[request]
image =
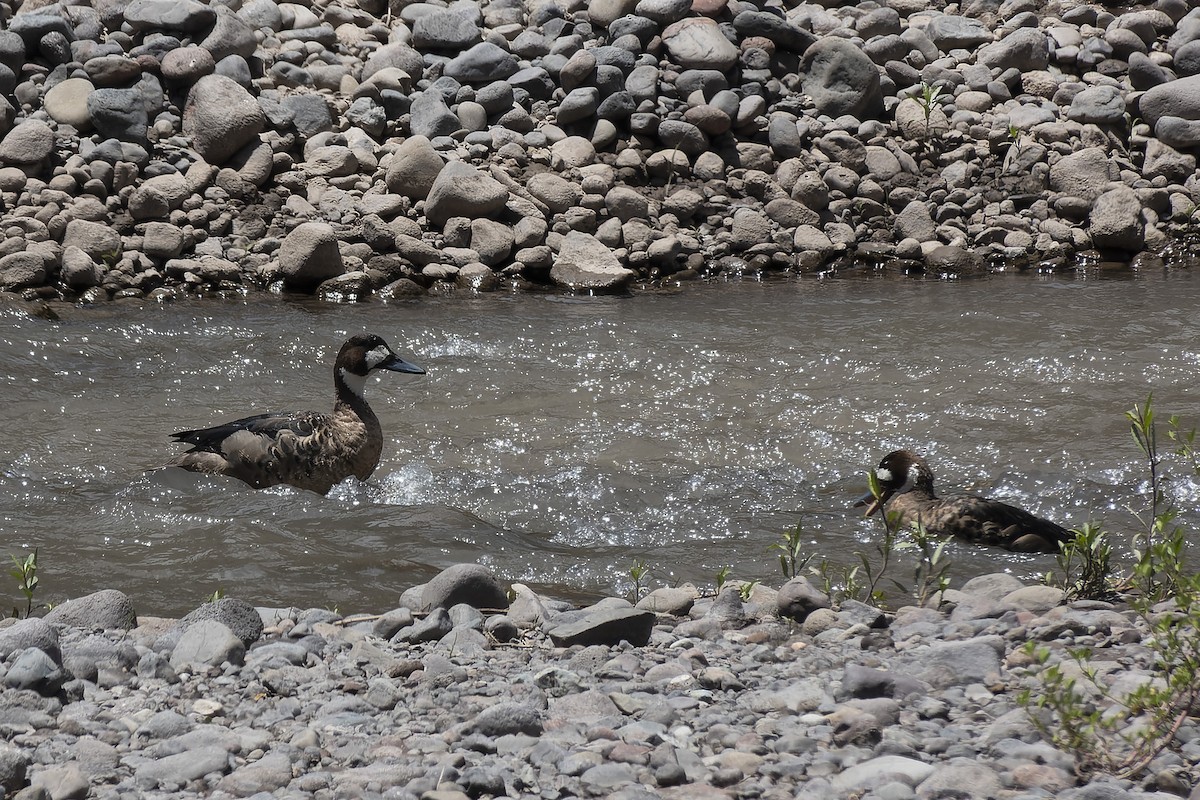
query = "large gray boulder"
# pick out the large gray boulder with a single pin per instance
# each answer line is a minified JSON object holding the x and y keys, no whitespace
{"x":483,"y":63}
{"x":309,"y":255}
{"x":221,"y":118}
{"x":207,"y":642}
{"x":1084,"y":174}
{"x":32,"y":632}
{"x":606,"y":625}
{"x":108,"y":609}
{"x":241,"y":618}
{"x":697,"y":43}
{"x":430,"y":117}
{"x":1025,"y":49}
{"x":585,"y":263}
{"x":473,"y":584}
{"x":461,"y":190}
{"x":29,"y":144}
{"x":185,"y":16}
{"x":1116,"y":220}
{"x":841,"y":79}
{"x":1177,"y":98}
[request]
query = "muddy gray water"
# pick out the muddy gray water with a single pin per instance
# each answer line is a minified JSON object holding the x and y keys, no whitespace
{"x":562,"y":440}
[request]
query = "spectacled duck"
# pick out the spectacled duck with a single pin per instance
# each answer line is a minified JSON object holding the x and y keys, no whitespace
{"x":308,"y":449}
{"x":907,"y":487}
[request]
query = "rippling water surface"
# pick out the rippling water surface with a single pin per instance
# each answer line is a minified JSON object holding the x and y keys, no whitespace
{"x":561,"y":440}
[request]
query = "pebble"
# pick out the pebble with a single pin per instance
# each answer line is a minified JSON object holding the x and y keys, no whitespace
{"x":502,"y":113}
{"x":609,"y":700}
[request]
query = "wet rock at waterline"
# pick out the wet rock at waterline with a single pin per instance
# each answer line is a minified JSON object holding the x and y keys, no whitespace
{"x":723,"y":695}
{"x":757,"y":139}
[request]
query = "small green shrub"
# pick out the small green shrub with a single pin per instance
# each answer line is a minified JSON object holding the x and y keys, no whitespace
{"x":723,"y":576}
{"x":1085,"y":570}
{"x":25,"y":573}
{"x":1123,"y":732}
{"x":791,"y":560}
{"x":638,"y":573}
{"x":1120,"y":733}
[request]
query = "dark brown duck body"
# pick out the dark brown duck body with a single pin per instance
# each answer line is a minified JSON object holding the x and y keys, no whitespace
{"x":309,"y":450}
{"x":907,"y":489}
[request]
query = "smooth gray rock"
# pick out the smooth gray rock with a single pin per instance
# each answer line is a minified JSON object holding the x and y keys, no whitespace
{"x":187,"y":16}
{"x":1102,"y":105}
{"x":309,"y":255}
{"x":182,"y":767}
{"x":33,"y":670}
{"x":774,"y":27}
{"x":447,"y":30}
{"x":431,"y":117}
{"x":1084,"y":174}
{"x":395,"y":55}
{"x":473,"y":584}
{"x":430,"y":628}
{"x":100,"y":242}
{"x":22,"y":270}
{"x":207,"y":642}
{"x":503,"y":719}
{"x":697,"y":43}
{"x":841,"y":79}
{"x":798,"y":598}
{"x":1024,"y":49}
{"x":860,"y":682}
{"x":946,"y":664}
{"x":237,"y":615}
{"x":483,"y":63}
{"x":1178,"y":132}
{"x":310,"y":114}
{"x":85,"y":658}
{"x":461,"y":190}
{"x":270,"y":773}
{"x":13,"y":763}
{"x":29,"y":144}
{"x":953,"y":32}
{"x":31,"y":632}
{"x":221,"y":118}
{"x":230,"y":35}
{"x":583,"y":262}
{"x":108,"y":609}
{"x":1116,"y":220}
{"x":607,"y":626}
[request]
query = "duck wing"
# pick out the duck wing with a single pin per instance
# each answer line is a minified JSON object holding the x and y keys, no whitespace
{"x":268,"y":427}
{"x":987,"y":521}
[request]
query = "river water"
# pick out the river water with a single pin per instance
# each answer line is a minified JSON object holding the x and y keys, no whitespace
{"x":562,"y":440}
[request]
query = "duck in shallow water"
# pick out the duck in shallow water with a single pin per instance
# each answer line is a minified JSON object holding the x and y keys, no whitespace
{"x":306,"y":449}
{"x":907,"y":488}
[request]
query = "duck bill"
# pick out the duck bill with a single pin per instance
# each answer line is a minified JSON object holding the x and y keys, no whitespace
{"x":398,"y":364}
{"x":872,"y":502}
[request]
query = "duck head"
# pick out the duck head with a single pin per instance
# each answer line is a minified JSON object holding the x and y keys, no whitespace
{"x":900,"y":471}
{"x":363,"y":354}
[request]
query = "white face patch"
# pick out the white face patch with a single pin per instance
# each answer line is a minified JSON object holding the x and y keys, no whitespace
{"x":355,"y":383}
{"x":377,"y":356}
{"x":883,"y":474}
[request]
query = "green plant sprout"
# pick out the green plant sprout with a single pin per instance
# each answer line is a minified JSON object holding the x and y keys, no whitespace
{"x":723,"y":576}
{"x":25,"y":573}
{"x":791,"y":563}
{"x":638,"y":572}
{"x":1123,"y":733}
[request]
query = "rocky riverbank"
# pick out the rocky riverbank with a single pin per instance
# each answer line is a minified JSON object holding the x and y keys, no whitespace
{"x":160,"y":147}
{"x":681,"y":696}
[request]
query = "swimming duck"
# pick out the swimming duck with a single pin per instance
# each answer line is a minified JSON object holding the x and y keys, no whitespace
{"x":308,"y":449}
{"x":907,"y":484}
